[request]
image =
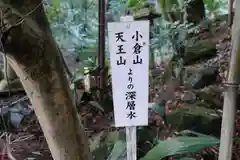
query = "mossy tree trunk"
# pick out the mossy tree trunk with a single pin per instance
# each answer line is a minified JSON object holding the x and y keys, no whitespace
{"x":35,"y":57}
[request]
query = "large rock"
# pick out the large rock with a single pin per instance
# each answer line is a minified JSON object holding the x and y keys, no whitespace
{"x":166,"y":92}
{"x":196,"y":118}
{"x":201,"y":50}
{"x":199,"y":77}
{"x":212,"y":95}
{"x":188,"y":96}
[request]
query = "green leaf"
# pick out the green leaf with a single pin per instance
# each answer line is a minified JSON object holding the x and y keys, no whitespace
{"x":56,"y":3}
{"x":96,"y":105}
{"x":102,"y":143}
{"x":158,"y":108}
{"x":86,"y":70}
{"x":189,"y":132}
{"x":181,"y":4}
{"x":95,"y":141}
{"x":122,"y":1}
{"x":179,"y":145}
{"x":165,"y":5}
{"x":112,"y":138}
{"x":132,"y":3}
{"x":118,"y":151}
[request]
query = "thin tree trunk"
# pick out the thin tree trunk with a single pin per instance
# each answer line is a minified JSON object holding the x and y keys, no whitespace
{"x":230,"y":96}
{"x":230,"y":12}
{"x":35,"y":57}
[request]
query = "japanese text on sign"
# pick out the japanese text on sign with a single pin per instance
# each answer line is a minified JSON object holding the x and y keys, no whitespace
{"x":131,"y":97}
{"x":129,"y":55}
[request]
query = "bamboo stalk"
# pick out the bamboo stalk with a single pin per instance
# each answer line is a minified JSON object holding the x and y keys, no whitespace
{"x":229,"y":107}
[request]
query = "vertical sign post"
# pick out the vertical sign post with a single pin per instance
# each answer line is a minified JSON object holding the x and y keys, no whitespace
{"x":129,"y":55}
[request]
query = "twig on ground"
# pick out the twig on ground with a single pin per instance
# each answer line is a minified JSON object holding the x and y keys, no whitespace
{"x":5,"y":147}
{"x":23,"y":138}
{"x":8,"y":148}
{"x":3,"y":134}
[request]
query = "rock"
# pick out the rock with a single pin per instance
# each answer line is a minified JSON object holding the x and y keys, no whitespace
{"x":201,"y":50}
{"x":199,"y":77}
{"x":212,"y":95}
{"x":196,"y":118}
{"x":194,"y":12}
{"x":164,"y":94}
{"x":158,"y":108}
{"x":156,"y":72}
{"x":188,"y":96}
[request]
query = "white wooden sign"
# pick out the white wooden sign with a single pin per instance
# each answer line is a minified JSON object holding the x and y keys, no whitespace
{"x":129,"y":56}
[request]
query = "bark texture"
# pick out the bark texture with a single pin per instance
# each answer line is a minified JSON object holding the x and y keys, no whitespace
{"x":9,"y":79}
{"x":231,"y":92}
{"x":35,"y":57}
{"x":230,"y":12}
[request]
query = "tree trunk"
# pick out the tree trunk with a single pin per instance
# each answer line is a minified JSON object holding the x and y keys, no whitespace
{"x":231,"y":91}
{"x":8,"y":74}
{"x":194,"y":11}
{"x":230,"y":12}
{"x":35,"y":57}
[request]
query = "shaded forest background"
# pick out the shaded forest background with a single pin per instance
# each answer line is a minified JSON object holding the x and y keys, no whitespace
{"x":190,"y":53}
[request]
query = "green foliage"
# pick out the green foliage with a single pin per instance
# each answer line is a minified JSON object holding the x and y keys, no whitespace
{"x":159,"y":108}
{"x":104,"y":144}
{"x":116,"y":9}
{"x":215,"y":7}
{"x":170,"y":37}
{"x":133,"y":3}
{"x":53,"y":14}
{"x":180,"y":145}
{"x":118,"y":151}
{"x":74,"y":24}
{"x":184,"y":145}
{"x":56,"y":3}
{"x":167,"y":5}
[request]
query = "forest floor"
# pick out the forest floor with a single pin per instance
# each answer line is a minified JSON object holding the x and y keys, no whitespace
{"x":27,"y":140}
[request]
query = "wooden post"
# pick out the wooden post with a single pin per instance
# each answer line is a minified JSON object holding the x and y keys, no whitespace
{"x":101,"y":43}
{"x":230,"y":97}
